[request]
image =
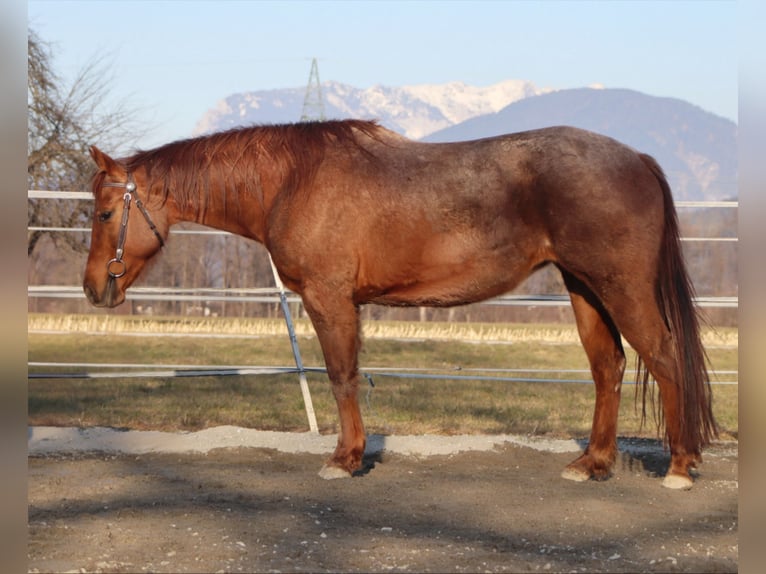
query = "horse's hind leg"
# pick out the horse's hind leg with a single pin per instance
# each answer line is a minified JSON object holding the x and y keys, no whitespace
{"x":652,"y":341}
{"x":637,"y":315}
{"x":603,"y":347}
{"x":337,"y":326}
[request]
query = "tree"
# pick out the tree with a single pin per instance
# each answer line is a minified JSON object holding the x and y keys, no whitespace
{"x":63,"y":122}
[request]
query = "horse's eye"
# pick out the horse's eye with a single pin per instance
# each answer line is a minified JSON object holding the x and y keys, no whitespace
{"x":104,"y":216}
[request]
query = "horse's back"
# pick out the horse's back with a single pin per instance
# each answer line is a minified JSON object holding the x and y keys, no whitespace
{"x":566,"y":181}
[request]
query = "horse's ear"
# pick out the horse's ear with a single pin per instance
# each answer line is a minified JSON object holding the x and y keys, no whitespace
{"x":103,"y":161}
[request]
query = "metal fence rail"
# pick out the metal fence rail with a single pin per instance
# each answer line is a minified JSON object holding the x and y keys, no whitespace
{"x":147,"y":370}
{"x":271,"y":295}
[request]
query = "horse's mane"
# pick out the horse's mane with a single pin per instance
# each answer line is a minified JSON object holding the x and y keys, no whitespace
{"x":187,"y":169}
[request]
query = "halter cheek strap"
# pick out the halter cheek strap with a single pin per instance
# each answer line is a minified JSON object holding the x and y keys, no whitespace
{"x":116,"y":266}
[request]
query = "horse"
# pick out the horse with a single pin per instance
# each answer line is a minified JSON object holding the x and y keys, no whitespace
{"x":353,"y":213}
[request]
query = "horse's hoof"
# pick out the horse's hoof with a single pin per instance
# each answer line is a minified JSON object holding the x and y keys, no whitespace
{"x":329,"y":472}
{"x":575,"y":474}
{"x":677,"y":482}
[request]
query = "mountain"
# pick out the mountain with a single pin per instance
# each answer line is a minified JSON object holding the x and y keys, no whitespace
{"x":414,"y":111}
{"x":697,"y":149}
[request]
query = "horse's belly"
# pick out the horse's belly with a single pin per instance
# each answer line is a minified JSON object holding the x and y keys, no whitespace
{"x":447,"y":286}
{"x":450,"y":269}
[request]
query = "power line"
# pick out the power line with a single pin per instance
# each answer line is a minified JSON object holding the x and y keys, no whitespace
{"x":313,"y":103}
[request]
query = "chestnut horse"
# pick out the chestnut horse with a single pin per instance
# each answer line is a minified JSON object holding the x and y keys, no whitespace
{"x":353,"y":213}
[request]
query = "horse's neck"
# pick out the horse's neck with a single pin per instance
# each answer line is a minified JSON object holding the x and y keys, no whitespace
{"x":227,"y":210}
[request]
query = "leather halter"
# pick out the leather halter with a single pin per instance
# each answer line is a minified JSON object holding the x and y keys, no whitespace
{"x":116,"y":266}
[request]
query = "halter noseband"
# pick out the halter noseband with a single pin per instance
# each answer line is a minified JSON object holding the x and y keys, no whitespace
{"x":116,"y":266}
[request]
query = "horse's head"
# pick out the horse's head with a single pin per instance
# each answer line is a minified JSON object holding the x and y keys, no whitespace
{"x":125,"y":233}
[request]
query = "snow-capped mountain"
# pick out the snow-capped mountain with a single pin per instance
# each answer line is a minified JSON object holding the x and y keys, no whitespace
{"x":415,"y":111}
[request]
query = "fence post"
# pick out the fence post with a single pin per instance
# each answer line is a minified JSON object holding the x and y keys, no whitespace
{"x":296,"y":351}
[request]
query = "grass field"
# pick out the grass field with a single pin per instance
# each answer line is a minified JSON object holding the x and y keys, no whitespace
{"x":393,"y":406}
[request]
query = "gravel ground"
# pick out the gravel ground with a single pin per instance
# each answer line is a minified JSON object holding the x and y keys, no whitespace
{"x":236,"y":500}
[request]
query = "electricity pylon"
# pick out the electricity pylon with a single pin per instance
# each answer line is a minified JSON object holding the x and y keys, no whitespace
{"x":313,"y":104}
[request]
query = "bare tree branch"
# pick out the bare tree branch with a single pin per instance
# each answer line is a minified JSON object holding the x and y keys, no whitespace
{"x":63,"y":123}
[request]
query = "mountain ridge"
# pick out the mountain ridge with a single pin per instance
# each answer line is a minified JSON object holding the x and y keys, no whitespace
{"x":696,"y":148}
{"x":414,"y":111}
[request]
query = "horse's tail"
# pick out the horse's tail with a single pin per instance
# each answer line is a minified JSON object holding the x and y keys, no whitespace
{"x":675,"y":296}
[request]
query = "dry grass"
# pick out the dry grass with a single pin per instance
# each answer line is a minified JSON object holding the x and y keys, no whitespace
{"x":472,"y":332}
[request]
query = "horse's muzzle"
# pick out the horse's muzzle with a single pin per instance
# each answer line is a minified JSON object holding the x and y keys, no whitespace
{"x":92,"y":297}
{"x":110,"y":297}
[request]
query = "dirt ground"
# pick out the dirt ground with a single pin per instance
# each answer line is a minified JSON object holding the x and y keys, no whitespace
{"x":261,"y":510}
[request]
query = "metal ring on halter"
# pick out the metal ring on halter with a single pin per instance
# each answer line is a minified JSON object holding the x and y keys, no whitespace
{"x":112,"y":273}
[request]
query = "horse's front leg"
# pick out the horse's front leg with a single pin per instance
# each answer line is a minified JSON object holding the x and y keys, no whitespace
{"x":337,"y":326}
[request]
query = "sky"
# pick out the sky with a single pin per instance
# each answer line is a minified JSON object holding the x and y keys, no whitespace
{"x":171,"y":61}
